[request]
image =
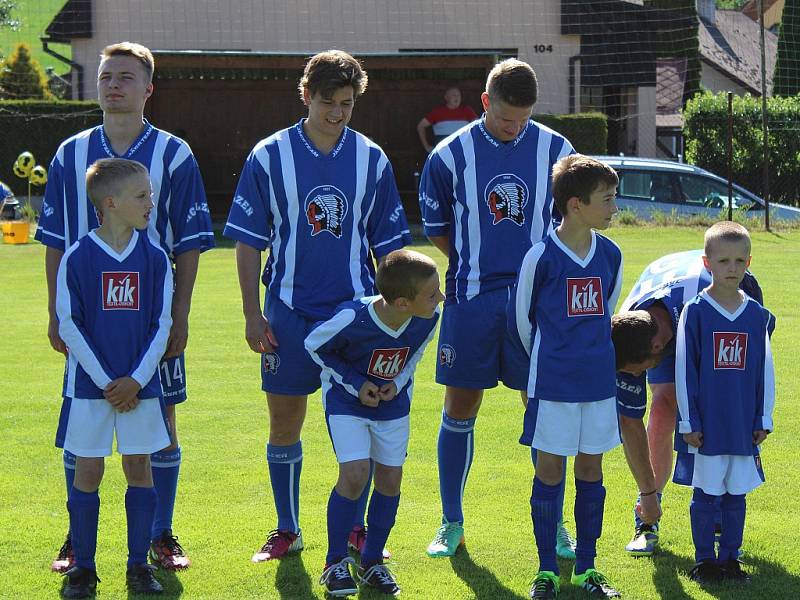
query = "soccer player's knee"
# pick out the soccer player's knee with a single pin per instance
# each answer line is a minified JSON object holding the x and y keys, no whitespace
{"x":88,"y":473}
{"x":353,"y":477}
{"x":388,"y":479}
{"x":589,"y":467}
{"x":137,"y":470}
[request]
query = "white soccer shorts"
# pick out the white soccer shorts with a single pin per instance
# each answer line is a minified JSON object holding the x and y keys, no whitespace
{"x":566,"y":428}
{"x":357,"y":438}
{"x":92,"y":423}
{"x":725,"y":474}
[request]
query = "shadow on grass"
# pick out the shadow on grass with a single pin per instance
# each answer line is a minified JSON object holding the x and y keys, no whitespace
{"x":173,"y":588}
{"x":291,"y":578}
{"x":769,"y":579}
{"x":480,"y":580}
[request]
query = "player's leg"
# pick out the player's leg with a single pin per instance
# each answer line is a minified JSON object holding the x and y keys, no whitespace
{"x":701,"y":514}
{"x":65,"y":558}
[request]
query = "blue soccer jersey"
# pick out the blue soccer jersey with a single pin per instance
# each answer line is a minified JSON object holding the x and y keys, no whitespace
{"x":561,"y":314}
{"x":492,"y":199}
{"x":114,"y":314}
{"x":355,"y":346}
{"x":320,"y":215}
{"x":724,"y":375}
{"x":180,"y":220}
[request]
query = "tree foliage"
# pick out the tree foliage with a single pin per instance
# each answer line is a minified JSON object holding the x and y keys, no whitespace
{"x":21,"y":76}
{"x":680,"y":42}
{"x":787,"y":65}
{"x":7,"y":20}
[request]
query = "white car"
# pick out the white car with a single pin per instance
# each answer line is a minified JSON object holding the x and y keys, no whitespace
{"x":647,"y":185}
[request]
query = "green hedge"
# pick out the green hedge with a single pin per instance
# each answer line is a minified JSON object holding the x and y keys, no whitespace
{"x":706,"y":130}
{"x":588,"y":132}
{"x":39,"y":127}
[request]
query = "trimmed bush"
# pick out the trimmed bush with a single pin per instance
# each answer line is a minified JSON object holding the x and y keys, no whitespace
{"x":588,"y":132}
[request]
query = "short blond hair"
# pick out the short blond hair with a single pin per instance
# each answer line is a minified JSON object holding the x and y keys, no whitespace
{"x":137,"y":51}
{"x":725,"y":231}
{"x":106,"y":177}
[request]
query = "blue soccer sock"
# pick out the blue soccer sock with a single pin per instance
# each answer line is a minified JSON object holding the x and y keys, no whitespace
{"x":166,"y":465}
{"x":455,"y":450}
{"x":382,"y":513}
{"x":140,"y":504}
{"x":84,"y":514}
{"x":285,"y":464}
{"x":701,"y":513}
{"x":69,"y":469}
{"x":341,"y":512}
{"x":358,"y":521}
{"x":733,"y":508}
{"x":561,"y":488}
{"x":544,"y":513}
{"x":590,"y":499}
{"x":637,"y":520}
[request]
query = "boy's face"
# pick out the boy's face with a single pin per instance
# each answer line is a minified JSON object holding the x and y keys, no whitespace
{"x":122,"y":85}
{"x":505,"y":122}
{"x":601,"y":208}
{"x":327,"y":117}
{"x":429,"y":296}
{"x":727,"y":262}
{"x":133,"y":203}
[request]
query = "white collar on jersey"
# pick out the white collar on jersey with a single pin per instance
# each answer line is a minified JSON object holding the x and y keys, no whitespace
{"x":310,"y":147}
{"x":493,"y":141}
{"x":148,"y":129}
{"x":583,"y":262}
{"x":118,"y":256}
{"x":731,"y":316}
{"x":395,"y":333}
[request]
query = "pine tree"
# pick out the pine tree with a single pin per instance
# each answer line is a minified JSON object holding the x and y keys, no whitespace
{"x":787,"y":65}
{"x":22,"y":77}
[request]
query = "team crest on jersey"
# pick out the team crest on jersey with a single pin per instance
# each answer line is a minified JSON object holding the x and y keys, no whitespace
{"x":447,"y":355}
{"x":386,"y":363}
{"x":120,"y":290}
{"x":584,"y":296}
{"x":271,"y":362}
{"x":326,"y":208}
{"x":506,"y":196}
{"x":730,"y":350}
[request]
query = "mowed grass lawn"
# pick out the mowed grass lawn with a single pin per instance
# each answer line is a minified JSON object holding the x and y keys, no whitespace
{"x":225,"y":504}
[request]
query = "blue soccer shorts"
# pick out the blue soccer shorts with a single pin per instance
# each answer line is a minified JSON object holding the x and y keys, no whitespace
{"x":663,"y":372}
{"x":173,"y":379}
{"x":289,"y":370}
{"x":475,"y":351}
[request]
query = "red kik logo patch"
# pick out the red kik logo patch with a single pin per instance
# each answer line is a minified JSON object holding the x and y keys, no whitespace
{"x":120,"y":290}
{"x":386,"y":363}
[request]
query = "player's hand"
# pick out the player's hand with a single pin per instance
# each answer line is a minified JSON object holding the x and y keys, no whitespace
{"x":259,"y":335}
{"x":56,"y":343}
{"x":759,"y":436}
{"x":369,"y":394}
{"x":387,"y":392}
{"x":694,"y":439}
{"x":178,"y":337}
{"x":121,"y":393}
{"x":649,"y":509}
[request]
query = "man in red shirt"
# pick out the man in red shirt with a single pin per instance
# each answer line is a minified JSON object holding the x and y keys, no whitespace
{"x":445,"y":119}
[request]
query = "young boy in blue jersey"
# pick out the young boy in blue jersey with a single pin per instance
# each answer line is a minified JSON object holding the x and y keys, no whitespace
{"x":322,"y":198}
{"x":567,"y":289}
{"x":368,"y":352}
{"x":485,"y":198}
{"x":113,"y":303}
{"x":725,"y":384}
{"x":180,"y":223}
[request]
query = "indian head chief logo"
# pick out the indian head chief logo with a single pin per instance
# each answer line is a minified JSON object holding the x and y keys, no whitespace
{"x":506,"y":196}
{"x":326,"y":208}
{"x":120,"y":290}
{"x":386,"y":363}
{"x":730,"y":350}
{"x":584,"y":297}
{"x":271,"y":362}
{"x":447,"y":355}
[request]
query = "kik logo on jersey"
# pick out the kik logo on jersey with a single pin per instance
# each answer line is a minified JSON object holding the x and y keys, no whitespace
{"x":386,"y":363}
{"x":120,"y":290}
{"x":506,"y":196}
{"x":730,"y":350}
{"x":326,"y":208}
{"x":584,"y":296}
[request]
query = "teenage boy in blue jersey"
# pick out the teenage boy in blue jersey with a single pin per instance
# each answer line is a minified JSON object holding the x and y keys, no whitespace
{"x":180,"y":224}
{"x":567,"y":289}
{"x":322,"y":198}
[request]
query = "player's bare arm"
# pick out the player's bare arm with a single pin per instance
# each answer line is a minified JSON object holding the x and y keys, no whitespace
{"x":694,"y":439}
{"x":759,"y":436}
{"x":52,"y":259}
{"x":369,"y":394}
{"x":442,"y":243}
{"x":257,"y":331}
{"x":186,"y":265}
{"x":637,"y":454}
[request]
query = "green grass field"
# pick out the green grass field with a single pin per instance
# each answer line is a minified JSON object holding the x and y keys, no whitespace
{"x":225,"y":506}
{"x":34,"y":17}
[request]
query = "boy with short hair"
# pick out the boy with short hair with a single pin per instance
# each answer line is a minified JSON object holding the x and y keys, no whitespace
{"x":113,"y":301}
{"x":567,"y":290}
{"x":725,"y":384}
{"x":368,"y":352}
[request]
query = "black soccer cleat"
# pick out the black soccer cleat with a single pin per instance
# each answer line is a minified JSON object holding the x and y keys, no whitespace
{"x":706,"y":572}
{"x":141,"y":580}
{"x":337,"y":579}
{"x":380,"y":578}
{"x":733,"y":571}
{"x":81,"y":583}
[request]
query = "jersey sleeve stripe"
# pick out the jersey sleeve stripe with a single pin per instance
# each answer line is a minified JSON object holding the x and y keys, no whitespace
{"x":246,"y":231}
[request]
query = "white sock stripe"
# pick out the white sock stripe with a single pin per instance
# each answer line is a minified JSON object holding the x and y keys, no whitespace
{"x":466,"y":467}
{"x":291,"y":497}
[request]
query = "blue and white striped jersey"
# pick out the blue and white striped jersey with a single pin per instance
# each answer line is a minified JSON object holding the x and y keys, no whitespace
{"x":724,"y":375}
{"x":492,"y":199}
{"x":561,"y":314}
{"x":114,"y":314}
{"x":180,"y":220}
{"x":355,"y":346}
{"x":320,"y":215}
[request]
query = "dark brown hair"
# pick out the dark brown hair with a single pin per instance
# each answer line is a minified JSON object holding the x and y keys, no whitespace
{"x":513,"y":82}
{"x":328,"y":71}
{"x":577,"y":176}
{"x":401,"y":272}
